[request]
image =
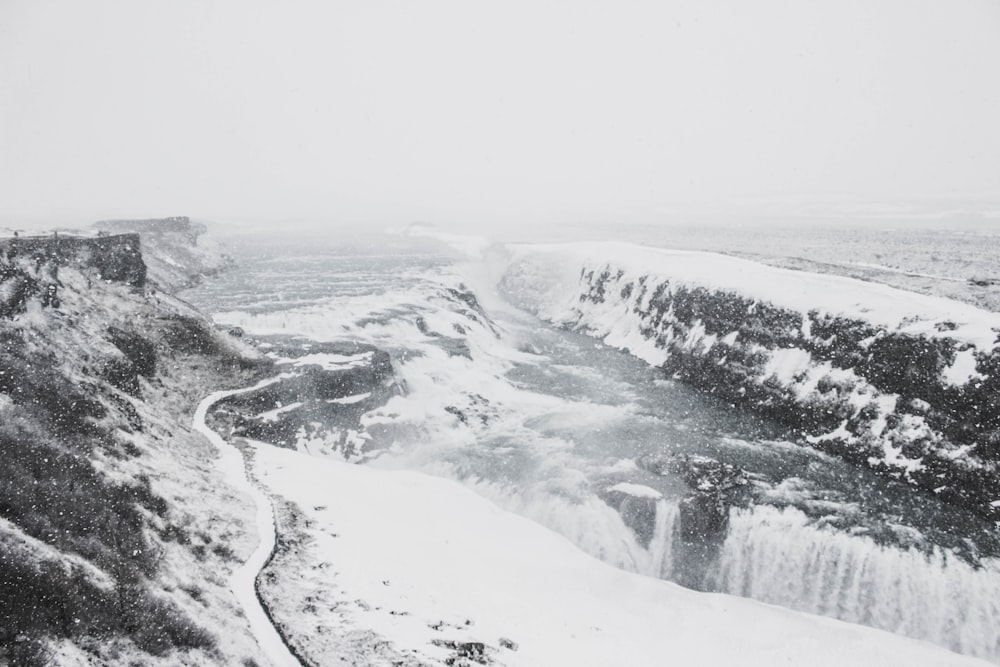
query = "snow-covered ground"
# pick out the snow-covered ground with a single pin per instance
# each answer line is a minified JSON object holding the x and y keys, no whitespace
{"x":426,"y":564}
{"x":243,"y":578}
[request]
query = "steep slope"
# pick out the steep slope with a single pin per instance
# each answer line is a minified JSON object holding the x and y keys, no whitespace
{"x":116,"y":534}
{"x":906,"y":384}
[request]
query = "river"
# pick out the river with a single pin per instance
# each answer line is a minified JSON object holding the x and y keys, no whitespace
{"x":556,"y":426}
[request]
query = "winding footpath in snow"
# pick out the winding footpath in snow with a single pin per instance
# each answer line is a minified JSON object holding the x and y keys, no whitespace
{"x":243,"y":580}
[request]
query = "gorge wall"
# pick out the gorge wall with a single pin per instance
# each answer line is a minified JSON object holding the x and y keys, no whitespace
{"x":905,"y":384}
{"x":115,"y":532}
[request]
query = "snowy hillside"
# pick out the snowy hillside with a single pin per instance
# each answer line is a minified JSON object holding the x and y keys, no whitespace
{"x":116,"y":532}
{"x":906,"y":384}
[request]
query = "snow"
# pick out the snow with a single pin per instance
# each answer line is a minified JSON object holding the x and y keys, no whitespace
{"x":787,"y":363}
{"x":272,"y":415}
{"x":840,"y":433}
{"x":895,"y":309}
{"x":418,"y":558}
{"x":332,"y":362}
{"x":484,"y":569}
{"x":350,"y":400}
{"x":636,"y":490}
{"x":243,"y":581}
{"x":963,"y":369}
{"x":886,"y":406}
{"x":465,"y":244}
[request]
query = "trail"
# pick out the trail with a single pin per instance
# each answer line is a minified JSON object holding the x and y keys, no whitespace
{"x":243,"y":580}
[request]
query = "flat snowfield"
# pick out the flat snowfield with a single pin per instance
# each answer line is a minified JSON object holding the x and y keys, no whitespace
{"x":417,"y":558}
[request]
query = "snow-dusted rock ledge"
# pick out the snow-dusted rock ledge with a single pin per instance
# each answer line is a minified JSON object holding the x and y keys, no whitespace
{"x":906,"y":384}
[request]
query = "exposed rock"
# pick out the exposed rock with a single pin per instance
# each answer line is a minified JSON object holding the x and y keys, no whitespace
{"x":175,"y":249}
{"x":703,"y":518}
{"x":637,"y":506}
{"x":465,"y":652}
{"x":312,"y":406}
{"x":714,"y":488}
{"x":508,"y":644}
{"x":29,"y":266}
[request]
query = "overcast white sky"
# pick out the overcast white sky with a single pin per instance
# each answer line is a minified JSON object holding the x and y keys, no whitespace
{"x":458,"y":110}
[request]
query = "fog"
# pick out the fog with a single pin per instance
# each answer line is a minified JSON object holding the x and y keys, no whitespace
{"x":519,"y":114}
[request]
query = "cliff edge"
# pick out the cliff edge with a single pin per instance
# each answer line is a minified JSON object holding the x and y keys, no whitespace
{"x":116,"y":535}
{"x":176,"y":250}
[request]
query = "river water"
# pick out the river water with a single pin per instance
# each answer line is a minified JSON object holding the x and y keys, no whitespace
{"x":545,"y":421}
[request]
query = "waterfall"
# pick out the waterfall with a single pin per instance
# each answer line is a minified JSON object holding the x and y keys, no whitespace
{"x":775,"y":556}
{"x":661,"y":547}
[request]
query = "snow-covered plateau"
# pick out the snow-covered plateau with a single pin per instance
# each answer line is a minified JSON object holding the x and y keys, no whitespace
{"x":154,"y":462}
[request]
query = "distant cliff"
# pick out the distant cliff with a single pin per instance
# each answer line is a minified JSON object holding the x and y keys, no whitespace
{"x":176,"y":250}
{"x":906,"y":385}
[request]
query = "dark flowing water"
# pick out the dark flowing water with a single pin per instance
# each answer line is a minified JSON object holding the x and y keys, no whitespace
{"x":545,"y":421}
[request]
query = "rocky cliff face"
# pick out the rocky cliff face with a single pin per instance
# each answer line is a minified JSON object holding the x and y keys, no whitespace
{"x":175,"y":250}
{"x":29,"y":266}
{"x":116,"y":536}
{"x":913,"y":394}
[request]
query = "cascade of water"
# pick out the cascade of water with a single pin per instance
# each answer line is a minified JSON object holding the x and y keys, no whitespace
{"x":775,"y":556}
{"x":661,"y":548}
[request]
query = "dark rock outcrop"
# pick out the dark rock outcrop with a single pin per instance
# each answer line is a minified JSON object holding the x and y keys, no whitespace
{"x":312,"y":402}
{"x":638,"y":511}
{"x":714,"y":489}
{"x":115,"y":258}
{"x":465,"y":653}
{"x":177,"y":253}
{"x":29,"y":266}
